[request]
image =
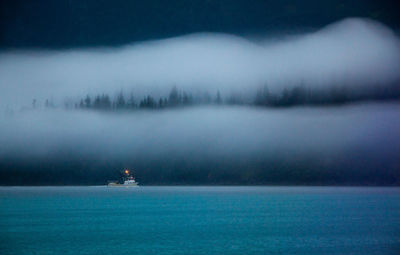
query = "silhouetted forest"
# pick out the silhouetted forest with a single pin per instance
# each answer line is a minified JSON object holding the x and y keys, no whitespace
{"x":70,"y":168}
{"x":288,"y":97}
{"x":175,"y":98}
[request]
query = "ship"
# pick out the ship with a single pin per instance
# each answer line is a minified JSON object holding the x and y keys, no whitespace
{"x":128,"y":180}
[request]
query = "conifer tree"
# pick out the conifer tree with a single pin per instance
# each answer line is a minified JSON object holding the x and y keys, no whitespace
{"x":120,"y":103}
{"x":174,"y":99}
{"x":87,"y":101}
{"x":218,"y":99}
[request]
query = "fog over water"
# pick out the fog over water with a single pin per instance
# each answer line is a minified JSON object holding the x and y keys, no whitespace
{"x":354,"y":144}
{"x":205,"y":131}
{"x":355,"y":53}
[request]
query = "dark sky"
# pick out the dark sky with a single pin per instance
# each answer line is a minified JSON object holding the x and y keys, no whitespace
{"x":85,"y":23}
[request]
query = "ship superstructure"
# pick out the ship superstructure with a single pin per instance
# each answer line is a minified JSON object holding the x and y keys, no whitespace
{"x":128,"y":180}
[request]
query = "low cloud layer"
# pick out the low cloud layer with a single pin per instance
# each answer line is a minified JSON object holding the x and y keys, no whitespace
{"x":350,"y":144}
{"x":202,"y":131}
{"x":356,"y":53}
{"x":258,"y":144}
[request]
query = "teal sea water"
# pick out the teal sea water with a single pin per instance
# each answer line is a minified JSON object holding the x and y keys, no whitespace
{"x":199,"y":220}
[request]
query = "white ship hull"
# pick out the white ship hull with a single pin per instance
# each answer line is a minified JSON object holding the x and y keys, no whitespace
{"x":123,"y":185}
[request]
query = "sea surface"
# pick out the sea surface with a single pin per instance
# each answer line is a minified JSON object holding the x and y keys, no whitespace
{"x":199,"y":220}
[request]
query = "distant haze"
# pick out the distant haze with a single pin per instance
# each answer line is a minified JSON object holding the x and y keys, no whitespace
{"x":350,"y":144}
{"x":355,"y":53}
{"x":356,"y":144}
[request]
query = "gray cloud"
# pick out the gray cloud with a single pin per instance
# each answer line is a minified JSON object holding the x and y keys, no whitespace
{"x":354,"y":52}
{"x":204,"y":131}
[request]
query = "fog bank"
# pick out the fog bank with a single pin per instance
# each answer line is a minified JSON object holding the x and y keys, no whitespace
{"x":203,"y":131}
{"x":356,"y":53}
{"x":357,"y":144}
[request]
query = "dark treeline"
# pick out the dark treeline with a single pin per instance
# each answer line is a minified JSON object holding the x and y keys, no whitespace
{"x":312,"y":170}
{"x":175,"y":98}
{"x":299,"y":95}
{"x":288,"y":97}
